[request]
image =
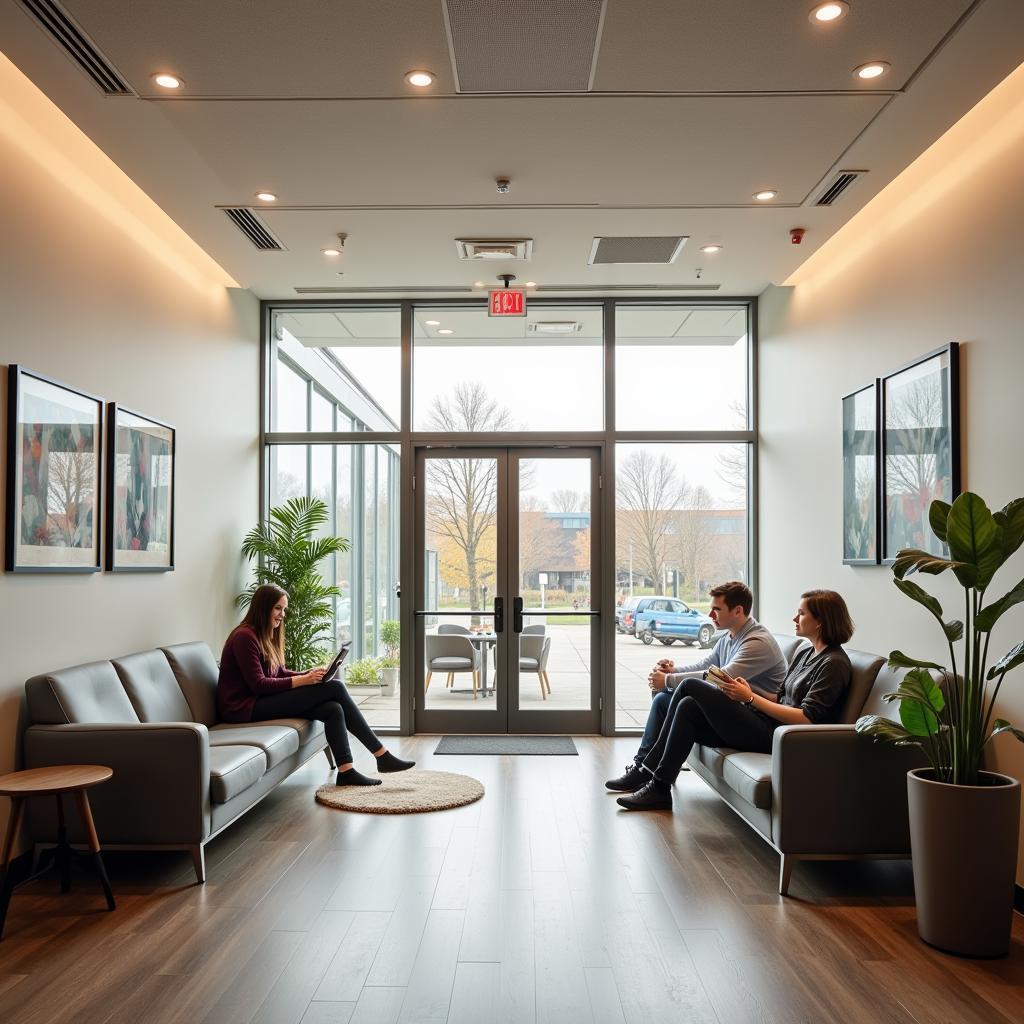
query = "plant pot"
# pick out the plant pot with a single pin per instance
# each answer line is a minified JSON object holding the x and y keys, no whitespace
{"x":388,"y":681}
{"x":964,"y":844}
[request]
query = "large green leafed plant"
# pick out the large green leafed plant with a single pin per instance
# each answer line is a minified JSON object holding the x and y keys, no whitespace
{"x":954,"y":722}
{"x":289,"y":557}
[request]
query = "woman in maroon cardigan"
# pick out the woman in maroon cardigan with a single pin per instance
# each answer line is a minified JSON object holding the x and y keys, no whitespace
{"x":255,"y":686}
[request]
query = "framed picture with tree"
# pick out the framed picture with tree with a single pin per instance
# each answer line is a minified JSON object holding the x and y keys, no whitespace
{"x":54,"y":470}
{"x":140,"y":492}
{"x":860,"y":476}
{"x":920,"y":448}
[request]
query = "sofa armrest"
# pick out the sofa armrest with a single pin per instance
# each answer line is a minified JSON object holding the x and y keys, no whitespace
{"x":160,"y":790}
{"x":835,"y":791}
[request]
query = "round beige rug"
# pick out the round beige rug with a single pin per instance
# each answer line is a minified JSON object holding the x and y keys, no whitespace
{"x":404,"y":793}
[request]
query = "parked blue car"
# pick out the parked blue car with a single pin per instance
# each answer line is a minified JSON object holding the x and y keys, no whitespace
{"x":668,"y":619}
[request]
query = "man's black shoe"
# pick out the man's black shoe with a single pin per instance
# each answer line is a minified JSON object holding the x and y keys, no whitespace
{"x":630,"y":782}
{"x":652,"y":796}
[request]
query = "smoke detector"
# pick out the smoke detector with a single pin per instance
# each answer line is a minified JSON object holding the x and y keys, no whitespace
{"x":494,"y":248}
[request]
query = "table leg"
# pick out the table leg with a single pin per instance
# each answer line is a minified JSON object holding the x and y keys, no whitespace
{"x":484,"y":648}
{"x":94,"y":845}
{"x":17,"y":806}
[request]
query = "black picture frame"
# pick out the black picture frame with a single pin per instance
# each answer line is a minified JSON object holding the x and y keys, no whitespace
{"x":54,"y":475}
{"x":141,"y":456}
{"x":861,"y":476}
{"x":920,"y":448}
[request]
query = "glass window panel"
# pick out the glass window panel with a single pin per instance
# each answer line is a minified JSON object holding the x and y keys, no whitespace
{"x":354,"y":357}
{"x":290,"y":399}
{"x":287,"y":472}
{"x":681,"y":518}
{"x":321,"y":413}
{"x":543,"y":371}
{"x":680,"y":367}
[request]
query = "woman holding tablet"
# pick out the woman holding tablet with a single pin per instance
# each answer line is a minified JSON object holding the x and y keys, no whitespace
{"x":723,"y":711}
{"x":255,"y":686}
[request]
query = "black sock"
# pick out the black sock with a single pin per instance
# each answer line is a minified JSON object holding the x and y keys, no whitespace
{"x":351,"y":777}
{"x":387,"y":762}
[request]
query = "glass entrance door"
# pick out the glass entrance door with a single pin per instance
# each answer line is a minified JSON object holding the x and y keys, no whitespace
{"x":507,"y":637}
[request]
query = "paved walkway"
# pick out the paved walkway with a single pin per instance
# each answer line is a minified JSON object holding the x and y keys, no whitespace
{"x":569,"y":674}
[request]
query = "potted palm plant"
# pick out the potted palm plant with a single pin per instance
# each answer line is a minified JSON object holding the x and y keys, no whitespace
{"x":963,"y":820}
{"x":289,"y":557}
{"x":391,"y":638}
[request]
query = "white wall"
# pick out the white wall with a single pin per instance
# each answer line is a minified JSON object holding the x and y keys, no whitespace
{"x":101,"y":290}
{"x":936,"y":257}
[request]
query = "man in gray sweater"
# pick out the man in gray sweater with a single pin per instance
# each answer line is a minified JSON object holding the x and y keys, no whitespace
{"x":748,"y":649}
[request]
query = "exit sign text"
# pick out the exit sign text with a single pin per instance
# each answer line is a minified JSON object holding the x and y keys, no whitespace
{"x":506,"y":302}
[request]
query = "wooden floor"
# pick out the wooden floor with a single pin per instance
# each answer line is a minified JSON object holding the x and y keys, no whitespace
{"x":541,"y":902}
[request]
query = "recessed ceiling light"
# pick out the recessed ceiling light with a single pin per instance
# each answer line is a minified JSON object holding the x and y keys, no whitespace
{"x":432,"y":323}
{"x":531,"y":284}
{"x":710,"y":248}
{"x":827,"y":13}
{"x":331,"y":252}
{"x":446,"y":330}
{"x":478,"y":284}
{"x":765,"y":194}
{"x":266,"y":197}
{"x":875,"y":69}
{"x":166,"y":81}
{"x":421,"y":79}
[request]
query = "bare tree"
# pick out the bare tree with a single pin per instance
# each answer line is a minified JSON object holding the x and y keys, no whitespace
{"x":732,"y":463}
{"x":649,"y":493}
{"x":462,"y":495}
{"x":567,"y":500}
{"x":69,"y":483}
{"x":695,"y":539}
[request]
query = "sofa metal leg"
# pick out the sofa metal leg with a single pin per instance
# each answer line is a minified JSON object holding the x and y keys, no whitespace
{"x":786,"y":865}
{"x":199,"y":862}
{"x":330,"y":758}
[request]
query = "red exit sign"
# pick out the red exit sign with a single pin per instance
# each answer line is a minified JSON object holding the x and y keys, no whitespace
{"x":506,"y":302}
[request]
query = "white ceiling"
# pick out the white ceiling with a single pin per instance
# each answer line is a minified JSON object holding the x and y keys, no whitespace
{"x":692,"y":107}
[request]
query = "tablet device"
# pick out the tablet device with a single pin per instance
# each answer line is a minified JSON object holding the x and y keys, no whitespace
{"x":335,"y":666}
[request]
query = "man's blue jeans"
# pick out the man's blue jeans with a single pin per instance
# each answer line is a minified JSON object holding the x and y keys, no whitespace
{"x":655,"y":720}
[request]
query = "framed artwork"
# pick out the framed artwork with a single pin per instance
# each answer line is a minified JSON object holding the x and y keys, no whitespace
{"x":54,"y":467}
{"x":860,"y":476}
{"x":920,"y":448}
{"x":140,"y":492}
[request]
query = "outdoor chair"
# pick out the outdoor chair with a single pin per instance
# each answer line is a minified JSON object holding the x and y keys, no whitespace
{"x":533,"y":657}
{"x":537,"y":630}
{"x":452,"y":629}
{"x":451,"y":654}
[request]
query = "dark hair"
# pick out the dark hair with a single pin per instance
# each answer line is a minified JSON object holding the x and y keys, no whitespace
{"x":830,"y":610}
{"x":734,"y":593}
{"x":271,"y":639}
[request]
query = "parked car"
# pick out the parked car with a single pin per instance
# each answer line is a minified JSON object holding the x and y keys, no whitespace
{"x":668,"y":619}
{"x":624,"y":615}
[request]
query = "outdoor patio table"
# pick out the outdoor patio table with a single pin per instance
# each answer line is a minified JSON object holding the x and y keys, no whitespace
{"x":483,"y":642}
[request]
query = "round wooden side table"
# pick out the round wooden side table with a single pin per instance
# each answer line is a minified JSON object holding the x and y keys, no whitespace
{"x":56,"y":780}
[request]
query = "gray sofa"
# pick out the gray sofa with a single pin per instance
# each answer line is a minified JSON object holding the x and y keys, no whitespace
{"x":180,"y":776}
{"x":824,"y":792}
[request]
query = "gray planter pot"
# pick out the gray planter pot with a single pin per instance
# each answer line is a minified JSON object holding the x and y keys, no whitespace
{"x":964,"y":844}
{"x":388,"y":681}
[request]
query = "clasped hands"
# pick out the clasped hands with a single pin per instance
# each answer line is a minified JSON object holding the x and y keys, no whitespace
{"x":734,"y":687}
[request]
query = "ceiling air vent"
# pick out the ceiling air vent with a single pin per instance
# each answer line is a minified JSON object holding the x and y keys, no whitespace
{"x":57,"y":24}
{"x":655,"y":249}
{"x":562,"y":327}
{"x":494,"y":248}
{"x":253,"y":228}
{"x":835,"y":188}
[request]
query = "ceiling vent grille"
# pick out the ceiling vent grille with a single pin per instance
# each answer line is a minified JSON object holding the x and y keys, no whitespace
{"x":839,"y":184}
{"x":57,"y":24}
{"x":253,"y":228}
{"x":562,"y":327}
{"x":516,"y":46}
{"x":494,"y":248}
{"x":653,"y":250}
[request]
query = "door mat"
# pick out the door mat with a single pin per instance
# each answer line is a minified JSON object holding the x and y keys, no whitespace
{"x":507,"y":745}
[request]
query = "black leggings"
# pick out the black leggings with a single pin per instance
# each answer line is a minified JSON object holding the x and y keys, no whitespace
{"x":329,"y":703}
{"x":701,"y":713}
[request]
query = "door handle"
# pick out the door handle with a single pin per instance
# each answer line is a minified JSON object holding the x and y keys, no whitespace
{"x":517,"y":615}
{"x":499,"y":615}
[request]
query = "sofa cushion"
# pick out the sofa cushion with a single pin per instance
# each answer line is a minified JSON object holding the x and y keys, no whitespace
{"x":233,"y":770}
{"x":750,"y":775}
{"x":789,"y":644}
{"x":307,"y":729}
{"x":152,"y":688}
{"x":713,"y":758}
{"x":80,"y":694}
{"x":196,"y":670}
{"x":865,"y":668}
{"x":276,"y":741}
